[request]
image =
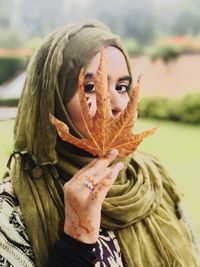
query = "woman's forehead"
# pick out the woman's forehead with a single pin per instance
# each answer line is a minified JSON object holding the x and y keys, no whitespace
{"x":115,"y":62}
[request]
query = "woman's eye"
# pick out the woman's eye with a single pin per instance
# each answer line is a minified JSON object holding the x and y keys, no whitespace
{"x":122,"y":88}
{"x":89,"y":88}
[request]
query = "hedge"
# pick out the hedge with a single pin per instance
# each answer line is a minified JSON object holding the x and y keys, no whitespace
{"x":9,"y":66}
{"x":186,"y":109}
{"x":170,"y":48}
{"x":12,"y":102}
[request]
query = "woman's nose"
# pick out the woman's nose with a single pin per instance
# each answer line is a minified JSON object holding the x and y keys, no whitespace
{"x":116,"y":102}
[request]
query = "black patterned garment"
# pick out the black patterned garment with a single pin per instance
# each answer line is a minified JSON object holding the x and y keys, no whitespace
{"x":108,"y":250}
{"x":15,"y":248}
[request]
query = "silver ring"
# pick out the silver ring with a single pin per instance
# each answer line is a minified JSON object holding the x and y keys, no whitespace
{"x":88,"y":184}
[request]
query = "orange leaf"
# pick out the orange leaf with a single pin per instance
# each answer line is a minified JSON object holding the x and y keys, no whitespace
{"x":104,"y":131}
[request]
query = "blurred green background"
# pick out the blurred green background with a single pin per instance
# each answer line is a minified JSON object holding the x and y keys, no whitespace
{"x":163,"y":38}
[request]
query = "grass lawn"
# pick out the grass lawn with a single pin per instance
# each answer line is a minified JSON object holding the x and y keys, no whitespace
{"x":176,"y":145}
{"x":6,"y":137}
{"x":178,"y":148}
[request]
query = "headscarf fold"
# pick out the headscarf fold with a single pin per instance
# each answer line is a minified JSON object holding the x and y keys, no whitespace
{"x":141,"y":205}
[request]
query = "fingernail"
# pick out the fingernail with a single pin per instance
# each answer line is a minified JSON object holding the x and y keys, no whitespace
{"x":120,"y":165}
{"x":113,"y":151}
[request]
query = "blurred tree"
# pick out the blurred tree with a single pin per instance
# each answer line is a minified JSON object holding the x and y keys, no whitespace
{"x":187,"y":20}
{"x":11,"y":38}
{"x":132,"y":46}
{"x":10,"y":35}
{"x":4,"y":19}
{"x":143,"y":20}
{"x":128,"y":18}
{"x":139,"y":22}
{"x":44,"y":16}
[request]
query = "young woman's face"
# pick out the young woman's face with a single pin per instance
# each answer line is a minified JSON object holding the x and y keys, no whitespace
{"x":118,"y":79}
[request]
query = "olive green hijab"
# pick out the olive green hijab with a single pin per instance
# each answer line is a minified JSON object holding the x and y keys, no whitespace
{"x":142,"y":204}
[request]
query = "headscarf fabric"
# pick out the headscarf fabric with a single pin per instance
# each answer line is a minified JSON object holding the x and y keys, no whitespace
{"x":140,"y":207}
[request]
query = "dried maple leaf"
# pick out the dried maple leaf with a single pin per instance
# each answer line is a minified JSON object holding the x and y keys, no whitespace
{"x":104,"y":131}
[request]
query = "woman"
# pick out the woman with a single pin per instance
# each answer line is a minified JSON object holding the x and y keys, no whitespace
{"x":64,"y":208}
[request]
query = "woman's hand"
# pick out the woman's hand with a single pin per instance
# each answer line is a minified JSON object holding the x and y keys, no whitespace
{"x":84,"y":194}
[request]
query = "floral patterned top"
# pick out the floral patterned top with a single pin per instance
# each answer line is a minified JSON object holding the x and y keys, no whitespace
{"x":15,"y":247}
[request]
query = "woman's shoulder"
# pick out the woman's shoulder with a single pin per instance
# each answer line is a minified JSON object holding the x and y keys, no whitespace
{"x":14,"y":242}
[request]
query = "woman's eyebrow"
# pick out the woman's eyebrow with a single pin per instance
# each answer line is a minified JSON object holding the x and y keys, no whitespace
{"x":124,"y":78}
{"x":89,"y":75}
